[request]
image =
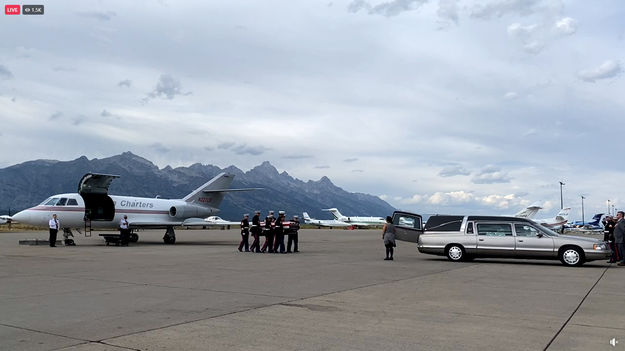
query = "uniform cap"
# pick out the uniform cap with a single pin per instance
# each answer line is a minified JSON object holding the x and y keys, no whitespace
{"x":270,"y":212}
{"x":257,"y":211}
{"x":246,"y":215}
{"x":281,"y":212}
{"x":296,"y":216}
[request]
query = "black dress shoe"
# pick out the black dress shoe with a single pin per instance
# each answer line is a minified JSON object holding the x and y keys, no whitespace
{"x":386,"y":259}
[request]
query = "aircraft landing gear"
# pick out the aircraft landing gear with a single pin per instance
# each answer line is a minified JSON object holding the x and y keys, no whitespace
{"x":170,"y":236}
{"x":133,"y":238}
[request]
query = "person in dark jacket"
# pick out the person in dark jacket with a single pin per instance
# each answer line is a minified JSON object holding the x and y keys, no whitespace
{"x":619,"y":237}
{"x":279,"y":233}
{"x":388,"y":235}
{"x":608,"y":235}
{"x":293,"y":235}
{"x":245,"y":233}
{"x":256,"y":230}
{"x":268,"y":231}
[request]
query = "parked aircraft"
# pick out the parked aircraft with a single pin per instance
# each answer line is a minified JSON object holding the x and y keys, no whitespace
{"x":529,"y":212}
{"x":5,"y":219}
{"x":324,"y":222}
{"x":556,"y":222}
{"x":356,"y":221}
{"x":593,"y":224}
{"x":93,"y":206}
{"x":218,"y":221}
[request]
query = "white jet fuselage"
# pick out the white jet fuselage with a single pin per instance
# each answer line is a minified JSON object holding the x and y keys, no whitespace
{"x":140,"y":210}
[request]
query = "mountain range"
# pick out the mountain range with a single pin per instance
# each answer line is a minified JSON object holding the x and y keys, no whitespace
{"x":27,"y":184}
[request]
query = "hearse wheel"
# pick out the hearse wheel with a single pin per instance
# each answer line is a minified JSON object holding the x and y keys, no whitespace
{"x":455,"y":253}
{"x":133,"y":238}
{"x":571,"y":256}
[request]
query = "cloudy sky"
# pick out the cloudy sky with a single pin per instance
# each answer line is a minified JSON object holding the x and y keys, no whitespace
{"x":445,"y":106}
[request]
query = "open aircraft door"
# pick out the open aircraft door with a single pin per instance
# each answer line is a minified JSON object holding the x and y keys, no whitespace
{"x":408,"y":226}
{"x":93,"y":188}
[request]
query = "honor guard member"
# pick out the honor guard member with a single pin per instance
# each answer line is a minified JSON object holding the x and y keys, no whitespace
{"x":256,"y":229}
{"x":124,"y":231}
{"x":245,"y":233}
{"x":279,"y":233}
{"x":293,"y":233}
{"x":268,"y":230}
{"x":54,"y":228}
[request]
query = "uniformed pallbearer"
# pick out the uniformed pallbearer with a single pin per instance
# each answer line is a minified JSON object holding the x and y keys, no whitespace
{"x":293,"y":235}
{"x":256,"y":229}
{"x":268,"y":231}
{"x":245,"y":233}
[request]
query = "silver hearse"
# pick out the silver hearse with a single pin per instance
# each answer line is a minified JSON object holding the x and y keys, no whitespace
{"x":462,"y":238}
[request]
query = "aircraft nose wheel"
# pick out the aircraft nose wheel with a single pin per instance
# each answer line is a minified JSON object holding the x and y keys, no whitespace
{"x":133,"y":238}
{"x":169,"y":239}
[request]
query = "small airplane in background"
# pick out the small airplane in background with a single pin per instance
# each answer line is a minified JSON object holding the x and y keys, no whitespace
{"x":219,"y":222}
{"x":556,"y":222}
{"x":93,"y":206}
{"x":324,"y":222}
{"x":356,"y":221}
{"x":592,"y":225}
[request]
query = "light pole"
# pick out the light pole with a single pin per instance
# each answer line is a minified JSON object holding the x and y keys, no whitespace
{"x":583,"y":222}
{"x":613,"y":212}
{"x":561,"y":201}
{"x":608,"y":207}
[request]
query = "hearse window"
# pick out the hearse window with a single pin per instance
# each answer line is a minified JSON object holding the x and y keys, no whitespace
{"x":52,"y":201}
{"x":525,"y":230}
{"x":407,"y":221}
{"x":62,"y":201}
{"x":494,"y":229}
{"x":470,"y":228}
{"x":72,"y":202}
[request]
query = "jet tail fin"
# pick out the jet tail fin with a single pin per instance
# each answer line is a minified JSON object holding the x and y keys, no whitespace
{"x":306,"y":216}
{"x":563,"y":214}
{"x":335,"y":212}
{"x":528,"y":212}
{"x":212,"y":192}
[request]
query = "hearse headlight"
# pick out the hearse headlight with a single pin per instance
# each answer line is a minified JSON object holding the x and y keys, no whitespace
{"x":599,"y":247}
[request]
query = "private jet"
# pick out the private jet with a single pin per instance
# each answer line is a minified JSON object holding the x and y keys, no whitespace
{"x":356,"y":221}
{"x":93,"y":206}
{"x":324,"y":222}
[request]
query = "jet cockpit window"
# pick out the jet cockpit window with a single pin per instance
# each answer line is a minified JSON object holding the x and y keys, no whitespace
{"x":72,"y":202}
{"x":52,"y":201}
{"x":62,"y":202}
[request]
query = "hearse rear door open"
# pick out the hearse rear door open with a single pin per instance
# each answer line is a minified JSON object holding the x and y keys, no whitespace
{"x":408,"y":226}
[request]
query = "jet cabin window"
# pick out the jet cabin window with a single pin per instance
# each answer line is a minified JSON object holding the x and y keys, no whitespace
{"x":62,"y":202}
{"x":72,"y":202}
{"x":52,"y":201}
{"x":494,"y":229}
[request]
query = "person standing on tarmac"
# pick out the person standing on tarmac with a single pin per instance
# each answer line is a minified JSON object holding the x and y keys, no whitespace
{"x":54,"y":225}
{"x":256,"y":229}
{"x":608,"y":236}
{"x":245,"y":233}
{"x":268,"y":230}
{"x":293,"y":235}
{"x":619,"y":237}
{"x":388,"y":235}
{"x":124,"y":232}
{"x":279,"y":233}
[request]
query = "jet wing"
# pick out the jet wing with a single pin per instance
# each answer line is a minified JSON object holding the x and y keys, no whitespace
{"x":95,"y":183}
{"x":5,"y":219}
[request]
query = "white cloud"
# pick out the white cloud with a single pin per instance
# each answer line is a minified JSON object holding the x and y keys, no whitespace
{"x":500,"y":8}
{"x":491,"y":175}
{"x":566,"y":26}
{"x":608,"y":69}
{"x":511,"y":95}
{"x":448,"y":10}
{"x":451,"y":171}
{"x":518,"y":30}
{"x":533,"y":47}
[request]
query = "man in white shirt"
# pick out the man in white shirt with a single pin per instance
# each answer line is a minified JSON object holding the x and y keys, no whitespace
{"x":124,"y":233}
{"x":54,"y":225}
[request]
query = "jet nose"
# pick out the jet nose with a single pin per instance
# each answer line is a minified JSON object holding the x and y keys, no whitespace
{"x":22,"y":217}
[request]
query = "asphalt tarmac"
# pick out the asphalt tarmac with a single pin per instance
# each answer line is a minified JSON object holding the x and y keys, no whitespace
{"x":336,"y":294}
